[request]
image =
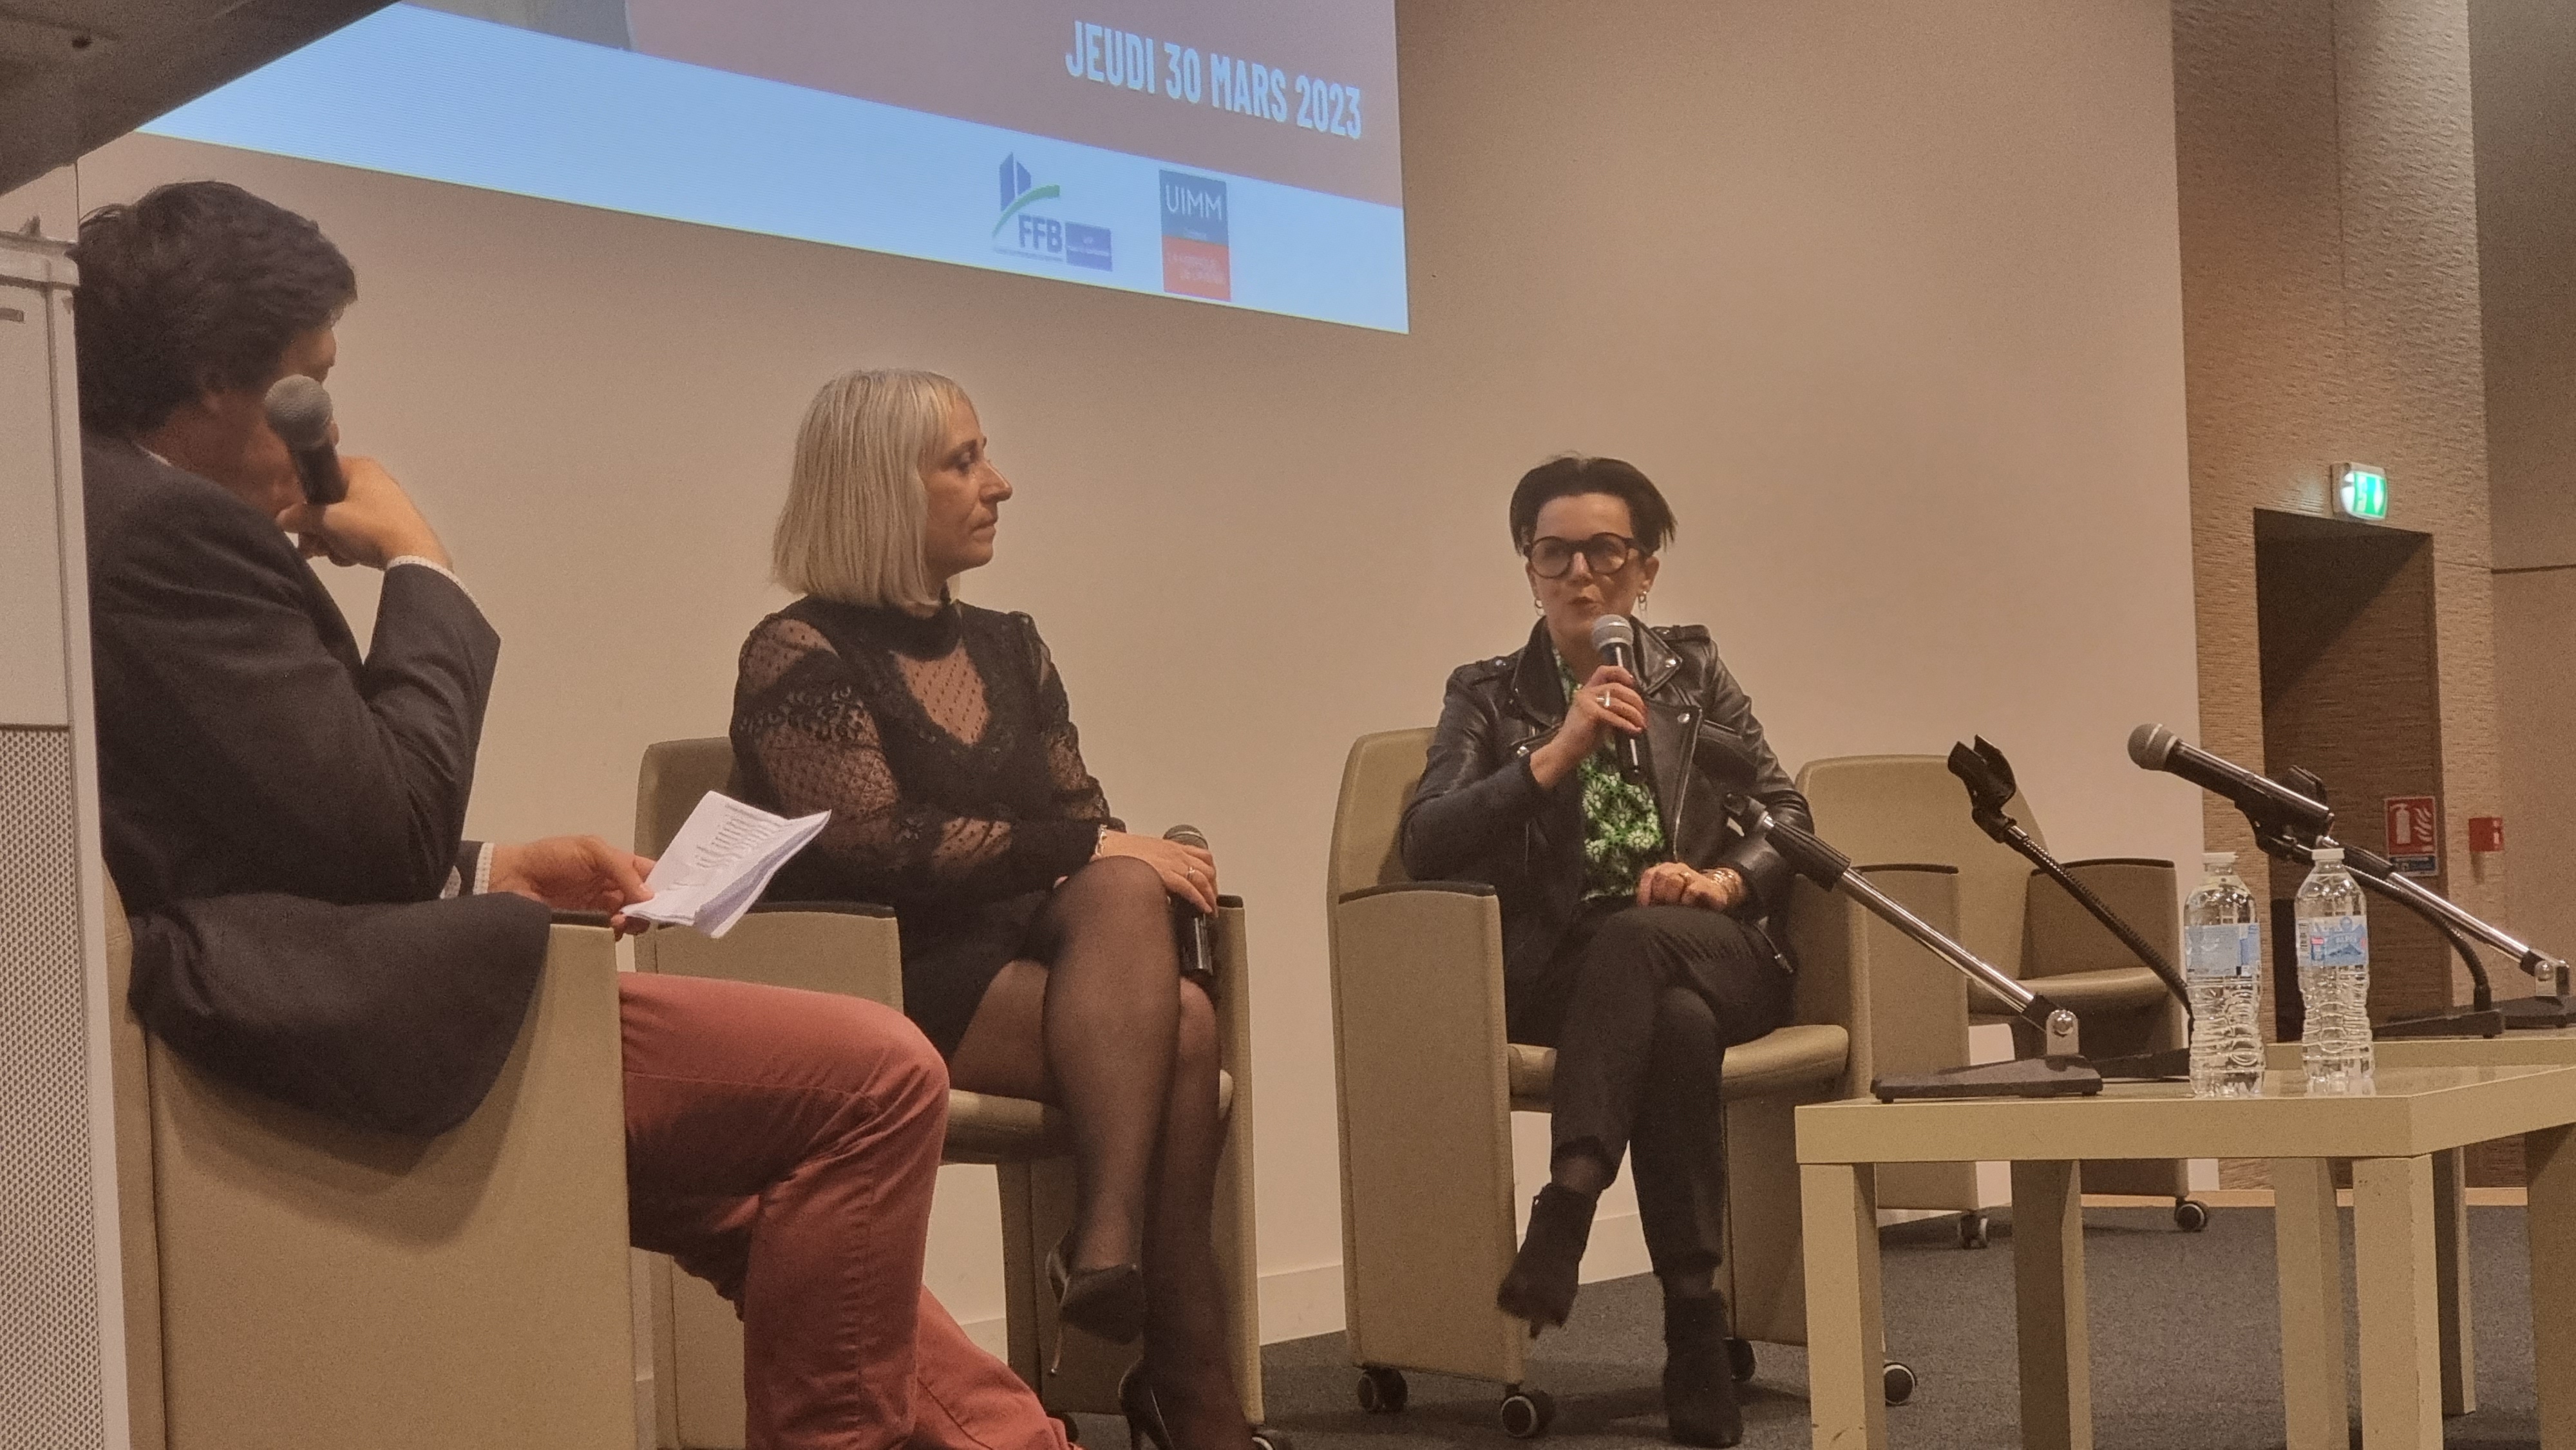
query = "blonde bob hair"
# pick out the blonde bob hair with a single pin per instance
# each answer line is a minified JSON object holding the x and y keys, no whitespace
{"x":852,"y":528}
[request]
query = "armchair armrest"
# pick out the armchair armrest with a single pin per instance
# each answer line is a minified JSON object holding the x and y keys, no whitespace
{"x":2060,"y":936}
{"x":850,"y":948}
{"x":1425,"y":1108}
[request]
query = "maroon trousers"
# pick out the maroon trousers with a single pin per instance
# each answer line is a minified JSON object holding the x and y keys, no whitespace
{"x":783,"y":1146}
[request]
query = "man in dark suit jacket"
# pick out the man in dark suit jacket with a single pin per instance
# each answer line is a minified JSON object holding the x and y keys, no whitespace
{"x":283,"y":816}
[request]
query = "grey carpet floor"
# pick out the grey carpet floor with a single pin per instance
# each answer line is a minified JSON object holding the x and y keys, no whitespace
{"x":2186,"y":1352}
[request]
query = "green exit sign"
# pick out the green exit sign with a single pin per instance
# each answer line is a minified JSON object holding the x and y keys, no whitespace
{"x":2361,"y":492}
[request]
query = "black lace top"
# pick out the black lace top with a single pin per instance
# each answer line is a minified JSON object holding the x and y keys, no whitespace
{"x":943,"y":748}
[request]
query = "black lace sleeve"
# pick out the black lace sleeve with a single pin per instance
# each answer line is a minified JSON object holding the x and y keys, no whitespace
{"x":808,"y":742}
{"x":1077,"y":795}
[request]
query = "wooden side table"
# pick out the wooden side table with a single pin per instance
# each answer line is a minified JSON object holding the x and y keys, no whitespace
{"x":2390,"y":1138}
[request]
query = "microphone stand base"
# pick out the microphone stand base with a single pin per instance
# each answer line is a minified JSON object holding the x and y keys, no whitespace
{"x":2489,"y":1023}
{"x":2171,"y":1064}
{"x":2531,"y":1014}
{"x":2023,"y":1077}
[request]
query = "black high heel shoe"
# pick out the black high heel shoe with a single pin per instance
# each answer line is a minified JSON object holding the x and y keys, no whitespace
{"x":1144,"y":1413}
{"x":1699,"y":1377}
{"x":1105,"y":1303}
{"x":1146,"y":1429}
{"x":1545,"y":1273}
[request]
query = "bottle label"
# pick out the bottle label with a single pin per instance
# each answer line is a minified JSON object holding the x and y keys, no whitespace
{"x":2223,"y":953}
{"x":2334,"y":941}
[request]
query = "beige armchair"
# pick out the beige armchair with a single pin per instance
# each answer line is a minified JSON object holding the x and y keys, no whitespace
{"x":1910,"y":808}
{"x":1426,"y":1084}
{"x":289,"y":1282}
{"x":856,"y":950}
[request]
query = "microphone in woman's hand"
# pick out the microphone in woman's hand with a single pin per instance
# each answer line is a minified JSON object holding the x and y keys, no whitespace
{"x":1615,"y":640}
{"x":1189,"y":924}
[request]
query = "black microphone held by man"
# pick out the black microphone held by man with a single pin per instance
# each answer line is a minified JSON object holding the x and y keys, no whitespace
{"x":299,"y":411}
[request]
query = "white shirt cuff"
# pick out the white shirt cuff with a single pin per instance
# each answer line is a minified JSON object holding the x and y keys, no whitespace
{"x":457,"y":885}
{"x":434,"y":567}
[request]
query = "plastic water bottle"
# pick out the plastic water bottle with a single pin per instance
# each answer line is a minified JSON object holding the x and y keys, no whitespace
{"x":2334,"y":977}
{"x":2222,"y":962}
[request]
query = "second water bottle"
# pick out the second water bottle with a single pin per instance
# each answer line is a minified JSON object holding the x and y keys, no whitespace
{"x":2334,"y":977}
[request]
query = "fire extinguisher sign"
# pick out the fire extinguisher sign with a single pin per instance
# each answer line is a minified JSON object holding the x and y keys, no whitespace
{"x":2414,"y":835}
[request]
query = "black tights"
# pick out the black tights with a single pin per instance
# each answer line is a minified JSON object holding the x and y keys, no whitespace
{"x":1131,"y":1051}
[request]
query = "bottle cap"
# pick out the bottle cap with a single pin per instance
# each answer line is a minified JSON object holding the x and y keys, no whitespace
{"x":2216,"y":863}
{"x":2328,"y":855}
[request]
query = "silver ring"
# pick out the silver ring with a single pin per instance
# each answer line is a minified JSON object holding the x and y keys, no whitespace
{"x":1192,"y":873}
{"x":1605,"y":699}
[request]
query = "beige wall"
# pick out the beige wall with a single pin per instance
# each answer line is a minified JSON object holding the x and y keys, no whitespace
{"x":2330,"y":313}
{"x":1884,"y":293}
{"x":2524,"y":52}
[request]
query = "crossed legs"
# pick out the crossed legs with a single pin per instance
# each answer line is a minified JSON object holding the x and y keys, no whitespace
{"x":1100,"y":1022}
{"x":784,"y":1146}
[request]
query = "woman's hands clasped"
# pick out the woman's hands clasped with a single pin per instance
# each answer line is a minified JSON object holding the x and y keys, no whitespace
{"x":1670,"y":883}
{"x":1604,"y":708}
{"x":1188,"y":872}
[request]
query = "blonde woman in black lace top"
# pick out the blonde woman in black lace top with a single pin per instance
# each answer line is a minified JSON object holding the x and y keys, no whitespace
{"x":1037,"y":936}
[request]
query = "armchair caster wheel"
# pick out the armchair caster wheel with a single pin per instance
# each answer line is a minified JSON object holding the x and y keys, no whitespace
{"x":1265,"y":1438}
{"x":1739,"y":1359}
{"x":1382,"y":1391}
{"x":1900,"y":1382}
{"x":1526,"y":1414}
{"x":1972,"y":1230}
{"x":2190,"y":1215}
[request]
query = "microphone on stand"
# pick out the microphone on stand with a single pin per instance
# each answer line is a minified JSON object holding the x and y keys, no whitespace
{"x":299,"y":412}
{"x":1991,"y":785}
{"x":1189,"y":924}
{"x":1615,"y":640}
{"x":2154,"y":747}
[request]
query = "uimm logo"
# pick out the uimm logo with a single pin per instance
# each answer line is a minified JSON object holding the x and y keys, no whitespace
{"x":1197,"y":261}
{"x":1022,"y":232}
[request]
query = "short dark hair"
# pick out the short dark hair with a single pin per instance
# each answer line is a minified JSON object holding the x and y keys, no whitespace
{"x":197,"y":287}
{"x":1572,"y":474}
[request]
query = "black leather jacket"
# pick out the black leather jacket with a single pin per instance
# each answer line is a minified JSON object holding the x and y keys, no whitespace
{"x":1480,"y":815}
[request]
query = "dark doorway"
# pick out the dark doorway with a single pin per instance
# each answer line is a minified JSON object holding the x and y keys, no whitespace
{"x":2351,"y":692}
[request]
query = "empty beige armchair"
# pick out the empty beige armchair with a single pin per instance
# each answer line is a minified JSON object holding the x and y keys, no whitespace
{"x":1426,"y":1083}
{"x":290,"y":1282}
{"x":1911,"y":808}
{"x":857,"y":950}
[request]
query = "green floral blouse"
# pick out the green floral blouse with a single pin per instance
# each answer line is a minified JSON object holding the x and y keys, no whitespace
{"x":1621,"y":834}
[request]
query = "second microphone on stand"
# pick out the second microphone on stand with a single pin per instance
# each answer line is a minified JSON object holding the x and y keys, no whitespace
{"x":1189,"y":924}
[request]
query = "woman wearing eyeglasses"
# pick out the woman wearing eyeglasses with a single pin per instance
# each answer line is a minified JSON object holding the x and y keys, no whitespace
{"x":1633,"y":938}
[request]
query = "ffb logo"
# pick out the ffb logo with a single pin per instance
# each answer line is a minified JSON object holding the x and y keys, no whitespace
{"x":1023,"y":232}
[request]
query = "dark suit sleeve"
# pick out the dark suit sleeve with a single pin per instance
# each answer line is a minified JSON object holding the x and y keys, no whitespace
{"x":310,"y":772}
{"x":1470,"y":801}
{"x":1766,"y":875}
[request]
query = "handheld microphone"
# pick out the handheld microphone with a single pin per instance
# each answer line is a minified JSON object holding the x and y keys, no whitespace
{"x":1615,"y":640}
{"x":2154,"y":747}
{"x":1189,"y":924}
{"x":299,"y":411}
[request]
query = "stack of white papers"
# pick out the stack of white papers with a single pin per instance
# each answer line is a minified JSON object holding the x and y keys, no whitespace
{"x":720,"y":862}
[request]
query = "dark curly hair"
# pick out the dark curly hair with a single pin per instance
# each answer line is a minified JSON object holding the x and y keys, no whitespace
{"x":198,"y":287}
{"x":1573,"y":474}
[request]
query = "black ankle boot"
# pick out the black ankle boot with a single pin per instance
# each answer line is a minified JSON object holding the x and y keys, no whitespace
{"x":1540,"y":1287}
{"x":1699,"y":1381}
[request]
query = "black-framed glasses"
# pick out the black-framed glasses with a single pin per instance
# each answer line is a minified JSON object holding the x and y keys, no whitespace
{"x":1550,"y":557}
